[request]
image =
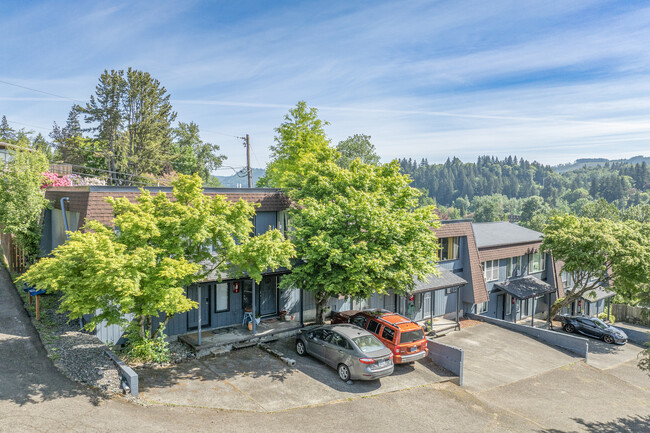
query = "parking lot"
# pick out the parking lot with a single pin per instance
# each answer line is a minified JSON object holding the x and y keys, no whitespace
{"x":495,"y":356}
{"x":253,"y":380}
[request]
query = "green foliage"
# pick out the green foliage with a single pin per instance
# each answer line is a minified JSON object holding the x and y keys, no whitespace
{"x":357,"y":146}
{"x":161,"y":246}
{"x":603,"y":316}
{"x":488,"y":209}
{"x":600,"y":210}
{"x":193,"y":155}
{"x":300,"y":144}
{"x":358,"y":230}
{"x":21,"y":199}
{"x":599,"y":252}
{"x":7,"y":133}
{"x":644,"y":362}
{"x":146,"y":349}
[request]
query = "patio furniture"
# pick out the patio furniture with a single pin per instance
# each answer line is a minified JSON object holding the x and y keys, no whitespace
{"x":248,"y":317}
{"x":36,"y":293}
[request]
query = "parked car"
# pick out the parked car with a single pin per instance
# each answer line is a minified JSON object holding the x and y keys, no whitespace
{"x":355,"y":353}
{"x":593,"y":327}
{"x":401,"y":335}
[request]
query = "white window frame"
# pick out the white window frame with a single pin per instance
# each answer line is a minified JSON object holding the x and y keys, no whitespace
{"x":482,"y":307}
{"x":508,"y":304}
{"x":489,"y":267}
{"x":510,"y":268}
{"x":218,"y":287}
{"x":539,"y":259}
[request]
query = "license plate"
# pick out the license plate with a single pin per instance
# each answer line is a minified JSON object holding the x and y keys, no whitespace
{"x":414,"y":348}
{"x":381,"y":363}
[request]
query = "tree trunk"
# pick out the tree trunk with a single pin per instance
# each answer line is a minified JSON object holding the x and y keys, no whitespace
{"x":160,"y":327}
{"x":321,"y":303}
{"x":141,"y":321}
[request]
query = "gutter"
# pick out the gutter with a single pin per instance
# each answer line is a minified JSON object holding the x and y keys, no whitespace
{"x":65,"y":218}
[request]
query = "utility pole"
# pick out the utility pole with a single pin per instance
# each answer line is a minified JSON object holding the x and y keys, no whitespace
{"x":248,"y":161}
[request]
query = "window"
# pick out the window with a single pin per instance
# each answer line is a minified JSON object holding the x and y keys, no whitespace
{"x":339,"y":340}
{"x":388,"y":334}
{"x":512,"y":267}
{"x":565,"y":279}
{"x":536,"y":262}
{"x":360,"y":321}
{"x":450,"y":290}
{"x":482,"y":307}
{"x":222,"y":300}
{"x":374,"y":326}
{"x":491,"y":270}
{"x":448,"y":248}
{"x":411,"y":336}
{"x":508,"y":304}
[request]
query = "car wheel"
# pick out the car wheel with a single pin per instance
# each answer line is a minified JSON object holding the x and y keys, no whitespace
{"x":300,"y":348}
{"x":608,"y":339}
{"x":570,"y":328}
{"x":344,"y":372}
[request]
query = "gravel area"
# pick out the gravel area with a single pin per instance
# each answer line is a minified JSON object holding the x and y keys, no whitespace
{"x":79,"y":355}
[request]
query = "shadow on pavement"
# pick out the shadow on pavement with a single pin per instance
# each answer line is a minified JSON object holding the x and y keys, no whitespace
{"x":619,"y":425}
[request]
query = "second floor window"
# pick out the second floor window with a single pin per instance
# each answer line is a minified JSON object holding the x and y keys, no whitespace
{"x":565,"y":278}
{"x":491,"y":270}
{"x":536,"y":262}
{"x":448,"y":248}
{"x":512,"y":267}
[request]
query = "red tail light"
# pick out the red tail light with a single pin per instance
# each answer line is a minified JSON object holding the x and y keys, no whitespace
{"x":367,"y":360}
{"x":396,"y":350}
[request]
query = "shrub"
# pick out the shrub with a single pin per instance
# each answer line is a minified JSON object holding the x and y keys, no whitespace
{"x":146,"y":349}
{"x":603,"y":316}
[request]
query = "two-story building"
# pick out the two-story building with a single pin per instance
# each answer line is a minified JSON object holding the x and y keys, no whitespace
{"x":592,"y":304}
{"x":518,"y":276}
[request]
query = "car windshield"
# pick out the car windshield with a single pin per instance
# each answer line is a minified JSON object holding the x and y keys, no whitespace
{"x":368,"y":343}
{"x":411,"y":336}
{"x":600,"y":323}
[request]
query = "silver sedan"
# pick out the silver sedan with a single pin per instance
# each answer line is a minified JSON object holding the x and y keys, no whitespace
{"x":355,"y":353}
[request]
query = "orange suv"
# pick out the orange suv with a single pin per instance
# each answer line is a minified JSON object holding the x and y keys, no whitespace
{"x":402,"y":336}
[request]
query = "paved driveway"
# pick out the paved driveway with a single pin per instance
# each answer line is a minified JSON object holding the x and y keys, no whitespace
{"x":495,"y":356}
{"x":253,"y":380}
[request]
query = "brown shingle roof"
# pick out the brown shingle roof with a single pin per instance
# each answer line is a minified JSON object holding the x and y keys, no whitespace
{"x":91,"y":203}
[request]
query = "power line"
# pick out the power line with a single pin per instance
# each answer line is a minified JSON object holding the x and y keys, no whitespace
{"x":40,"y":91}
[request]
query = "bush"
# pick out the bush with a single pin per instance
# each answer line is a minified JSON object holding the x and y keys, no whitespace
{"x":603,"y":316}
{"x":146,"y":349}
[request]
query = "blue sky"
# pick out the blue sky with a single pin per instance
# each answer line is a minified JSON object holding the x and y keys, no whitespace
{"x":546,"y":80}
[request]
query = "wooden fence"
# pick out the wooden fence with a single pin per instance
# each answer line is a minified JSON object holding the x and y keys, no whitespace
{"x":11,"y":254}
{"x":636,"y":315}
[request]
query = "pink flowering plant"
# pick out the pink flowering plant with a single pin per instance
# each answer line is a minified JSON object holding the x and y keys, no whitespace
{"x":52,"y":179}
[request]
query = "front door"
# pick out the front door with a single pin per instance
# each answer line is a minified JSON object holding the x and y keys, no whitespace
{"x":268,"y":297}
{"x":193,"y":315}
{"x":426,"y":299}
{"x":501,"y":302}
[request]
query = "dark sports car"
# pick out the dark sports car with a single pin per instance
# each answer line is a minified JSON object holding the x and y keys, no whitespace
{"x":593,"y":327}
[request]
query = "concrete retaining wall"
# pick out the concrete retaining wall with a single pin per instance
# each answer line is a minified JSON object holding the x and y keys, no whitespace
{"x":126,"y":372}
{"x":635,"y":334}
{"x":447,"y":356}
{"x":573,"y":344}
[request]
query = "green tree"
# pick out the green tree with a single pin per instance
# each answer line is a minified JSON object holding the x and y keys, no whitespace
{"x":7,"y":133}
{"x":358,"y":230}
{"x":104,"y":112}
{"x":162,"y":246}
{"x":488,"y":209}
{"x":640,"y":212}
{"x":22,"y":200}
{"x":596,"y":253}
{"x":40,"y":143}
{"x":600,"y":210}
{"x":192,"y":155}
{"x":357,"y":146}
{"x":300,"y":142}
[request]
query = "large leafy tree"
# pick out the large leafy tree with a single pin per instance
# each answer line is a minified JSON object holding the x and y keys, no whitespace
{"x":7,"y":133}
{"x":193,"y":155}
{"x":599,"y":253}
{"x":358,"y":231}
{"x":161,"y":246}
{"x":22,"y":200}
{"x":357,"y":146}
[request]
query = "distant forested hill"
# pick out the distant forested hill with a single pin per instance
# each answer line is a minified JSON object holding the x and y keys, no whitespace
{"x":236,"y":180}
{"x":593,"y":162}
{"x":619,"y":182}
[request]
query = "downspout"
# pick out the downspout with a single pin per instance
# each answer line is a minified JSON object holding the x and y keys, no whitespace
{"x":65,"y":218}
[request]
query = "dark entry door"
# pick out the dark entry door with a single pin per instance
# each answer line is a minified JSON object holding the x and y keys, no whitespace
{"x":501,"y":302}
{"x":193,"y":315}
{"x":268,"y":304}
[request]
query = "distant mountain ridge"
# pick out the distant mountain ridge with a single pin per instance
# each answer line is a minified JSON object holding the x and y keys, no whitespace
{"x":592,"y":162}
{"x":237,"y":181}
